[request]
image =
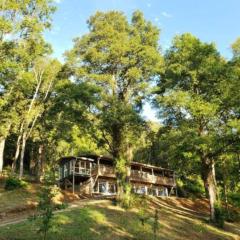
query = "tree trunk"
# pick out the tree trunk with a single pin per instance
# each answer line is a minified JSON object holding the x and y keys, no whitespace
{"x":208,"y":173}
{"x":14,"y":164}
{"x":225,"y":187}
{"x":238,"y":156}
{"x":2,"y":146}
{"x":40,"y":162}
{"x":24,"y":140}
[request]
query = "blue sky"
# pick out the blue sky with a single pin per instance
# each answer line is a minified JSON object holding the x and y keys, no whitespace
{"x":210,"y":20}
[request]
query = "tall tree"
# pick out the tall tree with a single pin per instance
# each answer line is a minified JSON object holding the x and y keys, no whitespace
{"x":44,"y":77}
{"x":21,"y":42}
{"x":190,"y":102}
{"x":64,"y":121}
{"x":121,"y":58}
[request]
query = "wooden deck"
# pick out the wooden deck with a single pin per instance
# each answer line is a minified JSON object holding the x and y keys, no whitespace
{"x":142,"y":175}
{"x":136,"y":176}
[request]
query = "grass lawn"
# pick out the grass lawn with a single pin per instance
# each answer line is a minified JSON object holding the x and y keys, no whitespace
{"x":104,"y":221}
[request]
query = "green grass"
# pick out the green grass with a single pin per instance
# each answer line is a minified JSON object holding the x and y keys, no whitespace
{"x":104,"y":221}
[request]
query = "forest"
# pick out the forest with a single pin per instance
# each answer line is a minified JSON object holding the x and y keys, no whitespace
{"x":92,"y":102}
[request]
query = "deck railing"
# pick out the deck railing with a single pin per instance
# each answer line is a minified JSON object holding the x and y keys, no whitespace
{"x":136,"y":175}
{"x":82,"y":171}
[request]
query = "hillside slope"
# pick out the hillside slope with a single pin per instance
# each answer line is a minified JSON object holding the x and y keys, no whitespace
{"x":102,"y":220}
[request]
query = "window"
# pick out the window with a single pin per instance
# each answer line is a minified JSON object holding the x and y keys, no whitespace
{"x":61,"y":172}
{"x":82,"y":164}
{"x":65,"y":170}
{"x":103,"y":187}
{"x":143,"y":190}
{"x":154,"y":191}
{"x":87,"y":165}
{"x":150,"y":191}
{"x":163,"y":191}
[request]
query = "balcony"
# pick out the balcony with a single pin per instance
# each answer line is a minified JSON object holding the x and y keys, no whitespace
{"x":138,"y":176}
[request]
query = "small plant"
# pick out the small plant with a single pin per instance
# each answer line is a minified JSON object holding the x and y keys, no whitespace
{"x":46,"y":206}
{"x":219,"y":215}
{"x":142,"y":214}
{"x":234,"y":199}
{"x":155,"y":224}
{"x":200,"y":228}
{"x":14,"y":183}
{"x":127,"y":200}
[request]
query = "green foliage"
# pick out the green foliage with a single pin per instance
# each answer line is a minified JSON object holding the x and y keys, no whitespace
{"x":219,"y":215}
{"x":46,"y":206}
{"x":122,"y":59}
{"x":13,"y":183}
{"x":143,"y":214}
{"x":126,"y":200}
{"x":155,"y":224}
{"x":193,"y":99}
{"x":236,"y":48}
{"x":191,"y":186}
{"x":200,"y":228}
{"x":234,"y":199}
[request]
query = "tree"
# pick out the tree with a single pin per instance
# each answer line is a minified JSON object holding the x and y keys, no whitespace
{"x":21,"y":41}
{"x":236,"y":48}
{"x":189,"y":100}
{"x":122,"y":59}
{"x":44,"y":76}
{"x":63,"y":127}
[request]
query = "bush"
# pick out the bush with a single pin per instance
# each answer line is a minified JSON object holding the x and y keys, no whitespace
{"x":232,"y":215}
{"x":190,"y":187}
{"x":219,"y":215}
{"x":14,"y":183}
{"x":46,"y":205}
{"x":234,"y":199}
{"x":127,"y":199}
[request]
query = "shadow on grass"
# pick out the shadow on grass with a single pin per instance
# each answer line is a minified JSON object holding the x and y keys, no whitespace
{"x":108,"y":222}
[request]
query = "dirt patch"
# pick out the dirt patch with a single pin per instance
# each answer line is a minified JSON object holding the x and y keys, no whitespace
{"x":69,"y":197}
{"x":27,"y":206}
{"x":198,"y":205}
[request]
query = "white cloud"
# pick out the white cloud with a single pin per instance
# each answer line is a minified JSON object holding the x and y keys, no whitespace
{"x":167,"y":15}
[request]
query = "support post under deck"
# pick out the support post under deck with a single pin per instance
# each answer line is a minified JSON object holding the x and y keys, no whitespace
{"x":73,"y":175}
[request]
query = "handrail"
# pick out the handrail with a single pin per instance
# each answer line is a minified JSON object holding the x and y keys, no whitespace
{"x":136,"y":175}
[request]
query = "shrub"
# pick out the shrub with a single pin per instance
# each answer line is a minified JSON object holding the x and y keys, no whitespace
{"x":155,"y":226}
{"x":234,"y":199}
{"x":127,"y":199}
{"x":232,"y":215}
{"x":219,"y":215}
{"x":14,"y":183}
{"x":46,"y":205}
{"x":191,"y":187}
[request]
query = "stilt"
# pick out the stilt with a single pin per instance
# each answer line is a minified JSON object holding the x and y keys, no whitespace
{"x":73,"y":174}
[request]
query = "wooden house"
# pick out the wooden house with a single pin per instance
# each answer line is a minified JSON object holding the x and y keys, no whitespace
{"x":95,"y":175}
